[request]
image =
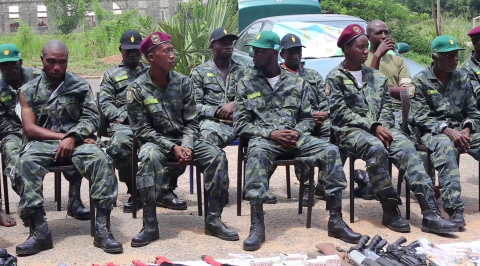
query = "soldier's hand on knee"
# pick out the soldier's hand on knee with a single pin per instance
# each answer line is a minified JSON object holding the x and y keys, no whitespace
{"x":183,"y":155}
{"x":284,"y":139}
{"x":459,"y":139}
{"x":65,"y":149}
{"x":384,"y":135}
{"x":91,"y":141}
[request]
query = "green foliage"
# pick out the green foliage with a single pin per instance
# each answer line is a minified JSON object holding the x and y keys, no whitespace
{"x":67,"y":13}
{"x":452,"y":8}
{"x":191,"y":28}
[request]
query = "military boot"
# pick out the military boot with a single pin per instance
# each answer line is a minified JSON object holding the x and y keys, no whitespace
{"x":103,"y":237}
{"x":432,"y":221}
{"x":75,"y":205}
{"x":320,"y":189}
{"x":213,"y":223}
{"x":257,"y":228}
{"x":128,"y":207}
{"x":392,"y":217}
{"x":271,"y":199}
{"x":168,"y":199}
{"x":149,"y":232}
{"x":456,"y":216}
{"x":364,"y":188}
{"x":40,"y":236}
{"x":305,"y":198}
{"x":336,"y":226}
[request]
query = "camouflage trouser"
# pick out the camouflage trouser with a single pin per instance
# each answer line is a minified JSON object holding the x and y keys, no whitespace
{"x":402,"y":153}
{"x":10,"y":147}
{"x":90,"y":161}
{"x":209,"y":159}
{"x":444,"y":159}
{"x":218,"y":134}
{"x":261,"y":153}
{"x":119,"y":148}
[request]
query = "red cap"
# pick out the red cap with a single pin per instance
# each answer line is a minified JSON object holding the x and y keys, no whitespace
{"x":153,"y":40}
{"x":350,"y":33}
{"x":475,"y":32}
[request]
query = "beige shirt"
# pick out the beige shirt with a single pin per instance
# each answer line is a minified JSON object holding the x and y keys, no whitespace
{"x":395,"y":69}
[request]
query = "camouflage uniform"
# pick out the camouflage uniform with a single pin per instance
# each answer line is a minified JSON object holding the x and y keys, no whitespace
{"x":355,"y":110}
{"x":70,"y":109}
{"x":211,"y":93}
{"x":472,"y":68}
{"x":113,"y":102}
{"x":259,"y":110}
{"x":161,"y":120}
{"x":11,"y":125}
{"x":434,"y":107}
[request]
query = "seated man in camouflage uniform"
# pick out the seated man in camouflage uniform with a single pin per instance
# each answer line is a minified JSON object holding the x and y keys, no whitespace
{"x":163,"y":115}
{"x":272,"y":106}
{"x":472,"y":65}
{"x":113,"y":96}
{"x":292,"y":56}
{"x":446,"y":120}
{"x":14,"y":75}
{"x":363,"y":124}
{"x":60,"y":118}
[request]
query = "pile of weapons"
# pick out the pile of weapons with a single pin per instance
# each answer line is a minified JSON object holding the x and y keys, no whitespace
{"x":375,"y":253}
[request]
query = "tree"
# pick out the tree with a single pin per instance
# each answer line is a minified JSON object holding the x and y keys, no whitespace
{"x":67,"y":13}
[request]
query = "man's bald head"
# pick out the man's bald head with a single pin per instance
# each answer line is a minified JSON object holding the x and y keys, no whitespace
{"x":374,"y":24}
{"x":55,"y":59}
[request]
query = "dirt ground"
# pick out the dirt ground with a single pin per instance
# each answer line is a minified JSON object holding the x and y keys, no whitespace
{"x":182,"y":232}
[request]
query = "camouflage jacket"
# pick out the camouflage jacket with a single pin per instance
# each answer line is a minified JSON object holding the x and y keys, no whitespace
{"x":113,"y":94}
{"x":210,"y":90}
{"x":472,"y":68}
{"x":10,"y":123}
{"x":353,"y":107}
{"x":70,"y":109}
{"x":434,"y":106}
{"x":259,"y":109}
{"x":318,"y":100}
{"x":167,"y":118}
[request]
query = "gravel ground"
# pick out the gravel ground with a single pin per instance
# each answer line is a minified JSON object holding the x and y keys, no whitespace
{"x":182,"y":232}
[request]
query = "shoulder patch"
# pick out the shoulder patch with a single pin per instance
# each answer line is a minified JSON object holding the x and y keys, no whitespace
{"x":411,"y":91}
{"x":121,"y":78}
{"x":129,"y":96}
{"x":327,"y":89}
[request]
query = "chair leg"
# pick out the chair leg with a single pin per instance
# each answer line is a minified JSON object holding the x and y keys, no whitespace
{"x":478,"y":187}
{"x":191,"y":179}
{"x":55,"y":188}
{"x":302,"y":188}
{"x":199,"y":193}
{"x":352,"y":187}
{"x":239,"y":181}
{"x":134,"y":190}
{"x":390,"y":169}
{"x":399,"y":182}
{"x":205,"y":201}
{"x":5,"y":190}
{"x":58,"y":180}
{"x":289,"y":191}
{"x":310,"y":197}
{"x":407,"y":199}
{"x":92,"y":210}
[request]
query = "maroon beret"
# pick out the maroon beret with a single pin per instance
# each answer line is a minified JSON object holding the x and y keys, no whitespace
{"x":153,"y":40}
{"x":475,"y":32}
{"x":350,"y":33}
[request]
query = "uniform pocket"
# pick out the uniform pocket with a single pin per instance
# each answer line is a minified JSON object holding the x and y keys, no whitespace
{"x":68,"y":109}
{"x":255,"y":104}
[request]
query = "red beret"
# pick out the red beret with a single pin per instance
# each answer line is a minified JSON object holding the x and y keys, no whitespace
{"x":474,"y":32}
{"x":153,"y":40}
{"x":350,"y":32}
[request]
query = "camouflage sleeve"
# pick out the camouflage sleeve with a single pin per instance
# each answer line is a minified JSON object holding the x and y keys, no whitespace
{"x":340,"y":114}
{"x":89,"y":119}
{"x":139,"y":121}
{"x":305,"y":119}
{"x":4,"y":122}
{"x":243,"y":118}
{"x":475,"y":84}
{"x":107,"y":100}
{"x":420,"y":111}
{"x":470,"y":112}
{"x":202,"y":109}
{"x":386,"y":118}
{"x":190,"y":122}
{"x":322,"y":98}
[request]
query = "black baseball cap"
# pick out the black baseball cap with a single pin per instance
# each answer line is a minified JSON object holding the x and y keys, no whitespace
{"x":131,"y":39}
{"x":290,"y":41}
{"x":221,"y":33}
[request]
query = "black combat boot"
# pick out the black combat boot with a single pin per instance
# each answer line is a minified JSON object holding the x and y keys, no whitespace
{"x":432,"y":221}
{"x":320,"y":190}
{"x":456,"y":216}
{"x":213,"y":223}
{"x":75,"y":205}
{"x":103,"y":235}
{"x":168,"y":199}
{"x":336,"y":226}
{"x":257,"y":228}
{"x":128,"y":207}
{"x":306,"y":192}
{"x":392,"y":217}
{"x":149,"y":232}
{"x":271,"y":199}
{"x":364,"y":188}
{"x":40,"y":236}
